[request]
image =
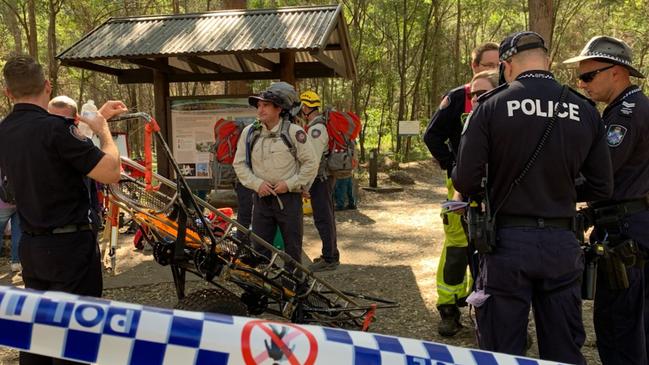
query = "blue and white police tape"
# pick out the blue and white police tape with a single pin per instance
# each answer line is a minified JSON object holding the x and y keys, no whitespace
{"x":101,"y":331}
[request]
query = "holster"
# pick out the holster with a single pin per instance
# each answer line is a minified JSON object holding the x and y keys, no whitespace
{"x":616,"y":259}
{"x":481,"y":230}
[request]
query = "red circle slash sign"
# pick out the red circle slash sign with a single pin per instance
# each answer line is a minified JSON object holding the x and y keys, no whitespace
{"x":281,"y":342}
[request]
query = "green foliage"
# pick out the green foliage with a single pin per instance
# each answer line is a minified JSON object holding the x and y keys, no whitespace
{"x":408,"y":53}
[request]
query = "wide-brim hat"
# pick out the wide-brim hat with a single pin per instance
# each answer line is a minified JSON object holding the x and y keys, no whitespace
{"x":607,"y":49}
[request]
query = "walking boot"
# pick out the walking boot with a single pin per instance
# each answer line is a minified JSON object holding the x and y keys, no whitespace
{"x":450,"y":324}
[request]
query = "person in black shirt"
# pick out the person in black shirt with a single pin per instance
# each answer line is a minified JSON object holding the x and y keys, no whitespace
{"x":442,"y":137}
{"x":604,"y":73}
{"x":46,"y":159}
{"x":537,"y":259}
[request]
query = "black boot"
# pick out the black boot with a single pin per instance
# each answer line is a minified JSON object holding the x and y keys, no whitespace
{"x":450,"y":324}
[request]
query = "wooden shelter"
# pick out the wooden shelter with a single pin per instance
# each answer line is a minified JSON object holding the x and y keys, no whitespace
{"x":284,"y":43}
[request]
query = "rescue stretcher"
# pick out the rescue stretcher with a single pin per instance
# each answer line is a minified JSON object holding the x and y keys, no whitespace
{"x":191,"y":236}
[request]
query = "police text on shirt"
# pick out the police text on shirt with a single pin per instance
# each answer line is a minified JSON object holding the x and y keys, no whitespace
{"x":534,"y":107}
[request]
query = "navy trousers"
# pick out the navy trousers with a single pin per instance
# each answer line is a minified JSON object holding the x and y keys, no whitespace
{"x":244,"y":211}
{"x":267,"y":215}
{"x":538,"y":267}
{"x":62,"y":262}
{"x":324,"y":219}
{"x":620,"y":316}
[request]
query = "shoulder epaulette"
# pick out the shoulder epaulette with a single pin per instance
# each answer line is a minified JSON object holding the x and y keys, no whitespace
{"x":492,"y":92}
{"x":577,"y":93}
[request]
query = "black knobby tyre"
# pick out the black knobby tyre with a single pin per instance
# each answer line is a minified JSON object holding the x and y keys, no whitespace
{"x":216,"y":300}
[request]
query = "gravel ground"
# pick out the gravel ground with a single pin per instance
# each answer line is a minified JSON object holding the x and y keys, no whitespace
{"x":389,"y":248}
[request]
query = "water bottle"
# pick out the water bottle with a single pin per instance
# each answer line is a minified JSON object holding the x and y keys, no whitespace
{"x":88,"y":111}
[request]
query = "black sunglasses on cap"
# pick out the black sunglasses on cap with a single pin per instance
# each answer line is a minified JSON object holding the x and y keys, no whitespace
{"x":590,"y":75}
{"x":477,"y":93}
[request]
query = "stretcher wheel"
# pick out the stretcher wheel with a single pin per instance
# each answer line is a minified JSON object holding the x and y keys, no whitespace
{"x":216,"y":300}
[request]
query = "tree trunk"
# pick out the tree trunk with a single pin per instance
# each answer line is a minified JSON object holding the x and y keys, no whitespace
{"x":32,"y":33}
{"x":54,"y":8}
{"x":456,"y":49}
{"x":542,"y":19}
{"x":402,"y":56}
{"x":11,"y":20}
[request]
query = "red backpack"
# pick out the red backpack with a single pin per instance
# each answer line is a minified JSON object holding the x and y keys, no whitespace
{"x":226,"y":137}
{"x":343,"y":128}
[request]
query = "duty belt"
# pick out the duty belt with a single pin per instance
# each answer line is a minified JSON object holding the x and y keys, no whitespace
{"x":534,"y":222}
{"x":69,"y":228}
{"x":605,"y":213}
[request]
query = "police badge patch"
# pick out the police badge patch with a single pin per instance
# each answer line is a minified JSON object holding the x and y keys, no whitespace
{"x":615,"y":135}
{"x":300,"y":136}
{"x":315,"y":133}
{"x":76,"y":133}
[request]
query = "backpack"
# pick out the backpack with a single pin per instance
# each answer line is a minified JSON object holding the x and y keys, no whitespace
{"x":343,"y":128}
{"x":226,"y":136}
{"x":255,"y":131}
{"x":6,"y":190}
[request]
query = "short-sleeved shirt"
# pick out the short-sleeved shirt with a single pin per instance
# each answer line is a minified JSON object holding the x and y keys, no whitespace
{"x":504,"y":131}
{"x":627,"y":130}
{"x":47,"y":159}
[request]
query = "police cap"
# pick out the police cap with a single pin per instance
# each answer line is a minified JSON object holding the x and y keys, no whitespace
{"x":607,"y":49}
{"x":519,"y":42}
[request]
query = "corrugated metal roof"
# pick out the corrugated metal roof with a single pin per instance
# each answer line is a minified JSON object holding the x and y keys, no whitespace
{"x":221,"y":32}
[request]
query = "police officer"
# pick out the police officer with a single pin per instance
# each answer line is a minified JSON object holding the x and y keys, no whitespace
{"x":46,"y":159}
{"x":442,"y":137}
{"x":321,"y":189}
{"x":604,"y":73}
{"x":537,"y":259}
{"x":275,"y":159}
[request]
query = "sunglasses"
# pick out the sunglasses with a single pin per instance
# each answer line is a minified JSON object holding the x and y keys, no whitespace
{"x":477,"y":93}
{"x":589,"y":76}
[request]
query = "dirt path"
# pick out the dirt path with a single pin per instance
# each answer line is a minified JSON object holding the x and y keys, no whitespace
{"x":389,"y":248}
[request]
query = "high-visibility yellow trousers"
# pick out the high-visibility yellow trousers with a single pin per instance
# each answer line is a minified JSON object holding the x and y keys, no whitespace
{"x":453,"y":279}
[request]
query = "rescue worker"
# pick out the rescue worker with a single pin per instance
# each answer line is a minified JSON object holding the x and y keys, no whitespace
{"x":604,"y":73}
{"x":321,"y":189}
{"x":442,"y":137}
{"x":537,"y":259}
{"x":275,"y":159}
{"x":46,"y":159}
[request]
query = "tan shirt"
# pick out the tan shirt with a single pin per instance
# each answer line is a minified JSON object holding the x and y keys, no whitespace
{"x":273,"y":161}
{"x":318,"y":136}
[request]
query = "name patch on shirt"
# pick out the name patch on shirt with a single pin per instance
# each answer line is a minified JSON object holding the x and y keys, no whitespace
{"x":615,"y":135}
{"x":543,"y":108}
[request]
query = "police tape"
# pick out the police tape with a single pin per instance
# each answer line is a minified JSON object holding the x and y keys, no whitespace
{"x":101,"y":331}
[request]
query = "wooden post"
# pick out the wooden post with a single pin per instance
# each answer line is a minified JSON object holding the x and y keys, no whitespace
{"x":287,"y":67}
{"x":374,"y":155}
{"x":160,"y":96}
{"x":237,"y":87}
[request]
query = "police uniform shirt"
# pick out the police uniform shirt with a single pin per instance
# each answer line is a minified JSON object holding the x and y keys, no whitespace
{"x":504,"y":131}
{"x":446,"y":125}
{"x":273,"y":161}
{"x":627,"y":129}
{"x":47,"y":159}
